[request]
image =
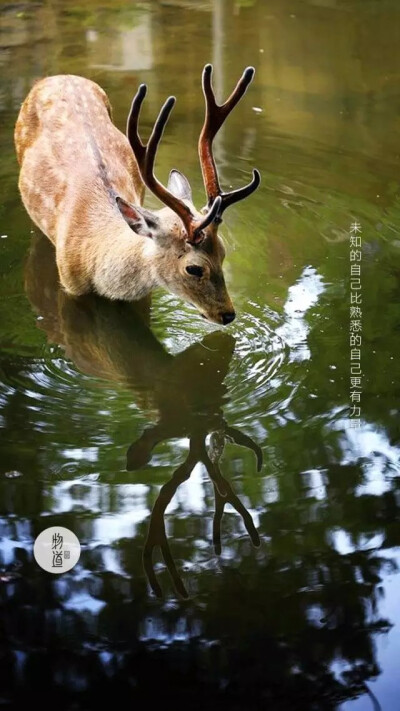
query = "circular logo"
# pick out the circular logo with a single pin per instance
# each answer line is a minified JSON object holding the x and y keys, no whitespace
{"x":57,"y":549}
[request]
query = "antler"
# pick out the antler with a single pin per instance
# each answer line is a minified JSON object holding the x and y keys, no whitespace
{"x":145,"y":157}
{"x":214,"y":118}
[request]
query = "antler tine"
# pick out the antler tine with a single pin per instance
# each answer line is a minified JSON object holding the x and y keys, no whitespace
{"x":132,"y":125}
{"x":151,"y":181}
{"x":233,"y":196}
{"x":212,"y":216}
{"x":214,"y":118}
{"x":216,"y":114}
{"x":145,"y":155}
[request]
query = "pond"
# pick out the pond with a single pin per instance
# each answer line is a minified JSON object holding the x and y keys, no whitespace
{"x":276,"y":585}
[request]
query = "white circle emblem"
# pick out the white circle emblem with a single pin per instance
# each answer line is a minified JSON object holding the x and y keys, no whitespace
{"x":57,"y":549}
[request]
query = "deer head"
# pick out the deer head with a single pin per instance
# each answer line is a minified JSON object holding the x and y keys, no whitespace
{"x":190,"y":252}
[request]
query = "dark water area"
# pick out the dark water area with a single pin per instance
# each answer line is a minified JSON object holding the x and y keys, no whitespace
{"x":239,"y":530}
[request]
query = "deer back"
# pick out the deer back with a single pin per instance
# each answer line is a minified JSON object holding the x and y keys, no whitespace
{"x":65,"y":135}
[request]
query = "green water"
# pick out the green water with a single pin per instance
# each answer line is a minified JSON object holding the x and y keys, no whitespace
{"x":289,"y":600}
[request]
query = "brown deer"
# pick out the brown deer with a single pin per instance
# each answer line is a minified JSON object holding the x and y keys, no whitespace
{"x":82,"y":182}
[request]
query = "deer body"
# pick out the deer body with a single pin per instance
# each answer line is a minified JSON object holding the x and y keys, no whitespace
{"x":82,"y":182}
{"x":69,"y":181}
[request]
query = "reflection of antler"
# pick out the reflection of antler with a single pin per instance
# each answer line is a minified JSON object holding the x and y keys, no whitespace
{"x":217,"y":447}
{"x":156,"y":535}
{"x":223,"y":494}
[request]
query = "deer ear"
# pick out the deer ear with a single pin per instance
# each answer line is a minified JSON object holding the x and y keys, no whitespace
{"x":179,"y":185}
{"x":141,"y":221}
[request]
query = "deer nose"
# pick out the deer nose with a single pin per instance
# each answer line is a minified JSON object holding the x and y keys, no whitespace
{"x":228,"y":317}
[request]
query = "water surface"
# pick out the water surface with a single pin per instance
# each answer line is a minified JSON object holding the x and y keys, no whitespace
{"x":278,"y":588}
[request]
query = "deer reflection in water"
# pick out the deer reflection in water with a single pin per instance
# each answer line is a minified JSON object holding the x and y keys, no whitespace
{"x":112,"y":340}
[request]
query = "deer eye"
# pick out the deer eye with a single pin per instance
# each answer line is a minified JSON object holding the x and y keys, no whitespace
{"x":195,"y":270}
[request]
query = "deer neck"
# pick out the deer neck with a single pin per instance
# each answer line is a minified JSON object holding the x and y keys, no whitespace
{"x":125,"y":264}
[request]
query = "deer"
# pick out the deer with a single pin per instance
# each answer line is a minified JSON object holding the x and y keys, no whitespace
{"x":113,"y":341}
{"x":83,"y":183}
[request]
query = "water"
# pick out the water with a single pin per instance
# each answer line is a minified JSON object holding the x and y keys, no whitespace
{"x":290,"y":598}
